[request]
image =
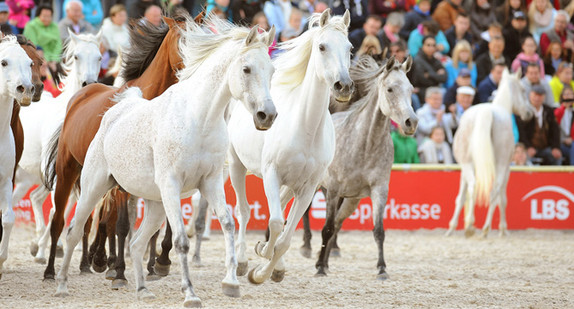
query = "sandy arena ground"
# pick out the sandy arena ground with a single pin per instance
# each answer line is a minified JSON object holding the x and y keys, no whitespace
{"x":529,"y":269}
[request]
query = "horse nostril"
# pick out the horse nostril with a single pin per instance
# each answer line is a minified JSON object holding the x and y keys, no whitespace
{"x":408,"y":123}
{"x":338,"y":86}
{"x":261,"y":116}
{"x":20,"y":89}
{"x":32,"y":89}
{"x":84,"y":84}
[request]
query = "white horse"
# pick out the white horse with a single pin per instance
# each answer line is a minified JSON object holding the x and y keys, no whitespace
{"x":294,"y":154}
{"x":40,"y":120}
{"x":164,"y":149}
{"x":15,"y":83}
{"x":483,"y":146}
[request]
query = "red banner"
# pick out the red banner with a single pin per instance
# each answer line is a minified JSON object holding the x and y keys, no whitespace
{"x":417,"y":199}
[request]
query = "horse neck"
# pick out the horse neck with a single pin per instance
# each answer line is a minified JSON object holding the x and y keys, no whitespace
{"x":7,"y":107}
{"x":503,"y":97}
{"x":374,"y":124}
{"x":72,"y":83}
{"x":160,"y":74}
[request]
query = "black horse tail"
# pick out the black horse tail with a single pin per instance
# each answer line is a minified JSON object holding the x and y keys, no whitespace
{"x":50,"y":163}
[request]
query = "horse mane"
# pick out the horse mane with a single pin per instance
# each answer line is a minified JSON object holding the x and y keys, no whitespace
{"x":7,"y":41}
{"x":204,"y":41}
{"x":68,"y":56}
{"x":291,"y":65}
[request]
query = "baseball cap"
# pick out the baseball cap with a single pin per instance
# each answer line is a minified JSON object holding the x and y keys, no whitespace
{"x":465,"y":90}
{"x":538,"y":89}
{"x":518,"y":15}
{"x":464,"y":72}
{"x":3,"y":7}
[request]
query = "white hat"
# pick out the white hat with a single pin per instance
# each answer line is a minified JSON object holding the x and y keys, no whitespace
{"x":465,"y":90}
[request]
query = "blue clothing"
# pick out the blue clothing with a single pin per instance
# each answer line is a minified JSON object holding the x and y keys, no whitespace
{"x":485,"y":89}
{"x":212,"y":5}
{"x":515,"y":129}
{"x":452,"y":73}
{"x":416,"y":42}
{"x":274,"y":14}
{"x":92,"y":9}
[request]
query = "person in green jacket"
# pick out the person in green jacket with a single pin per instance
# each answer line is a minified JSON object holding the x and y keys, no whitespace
{"x":43,"y":32}
{"x":405,"y":148}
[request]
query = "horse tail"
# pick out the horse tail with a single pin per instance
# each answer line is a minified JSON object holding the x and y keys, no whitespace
{"x":52,"y":155}
{"x":482,"y":153}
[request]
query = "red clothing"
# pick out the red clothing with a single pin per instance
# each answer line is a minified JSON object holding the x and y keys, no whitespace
{"x":545,"y":40}
{"x":559,"y":113}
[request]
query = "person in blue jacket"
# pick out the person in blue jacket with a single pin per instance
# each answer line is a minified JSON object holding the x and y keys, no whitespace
{"x":92,"y":9}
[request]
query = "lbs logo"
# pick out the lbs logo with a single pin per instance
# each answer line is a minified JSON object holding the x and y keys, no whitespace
{"x":545,"y":208}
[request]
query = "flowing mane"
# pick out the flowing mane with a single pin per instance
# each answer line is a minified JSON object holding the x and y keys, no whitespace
{"x":291,"y":65}
{"x":204,"y":41}
{"x":68,"y":56}
{"x":7,"y":41}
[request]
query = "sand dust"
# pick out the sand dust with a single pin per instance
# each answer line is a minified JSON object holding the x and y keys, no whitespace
{"x":529,"y":269}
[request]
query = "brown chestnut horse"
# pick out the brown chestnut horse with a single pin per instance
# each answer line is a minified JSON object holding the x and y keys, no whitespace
{"x":150,"y":65}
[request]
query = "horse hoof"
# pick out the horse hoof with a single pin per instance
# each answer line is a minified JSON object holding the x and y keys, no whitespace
{"x":448,"y":233}
{"x":85,"y":270}
{"x":278,"y":275}
{"x":49,"y":277}
{"x":119,"y":283}
{"x":242,"y":268}
{"x":41,"y":260}
{"x":230,"y":290}
{"x":99,"y":269}
{"x":321,"y":273}
{"x":205,"y":237}
{"x":196,"y":261}
{"x":251,"y":274}
{"x":144,"y":294}
{"x":59,"y":251}
{"x":335,"y":253}
{"x":469,"y":233}
{"x":111,"y":274}
{"x":383,"y":276}
{"x":61,"y":294}
{"x":192,"y":302}
{"x":161,"y":270}
{"x":34,"y":248}
{"x":152,"y":277}
{"x":305,"y":252}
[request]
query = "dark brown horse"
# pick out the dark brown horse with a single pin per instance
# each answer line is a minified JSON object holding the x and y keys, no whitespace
{"x":150,"y":65}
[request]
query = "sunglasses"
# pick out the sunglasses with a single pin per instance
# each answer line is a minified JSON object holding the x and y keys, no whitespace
{"x":567,"y":100}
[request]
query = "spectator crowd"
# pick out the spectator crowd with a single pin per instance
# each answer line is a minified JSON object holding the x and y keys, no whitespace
{"x":460,"y":50}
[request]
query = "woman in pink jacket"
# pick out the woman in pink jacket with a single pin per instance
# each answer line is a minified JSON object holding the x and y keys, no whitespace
{"x":19,"y":12}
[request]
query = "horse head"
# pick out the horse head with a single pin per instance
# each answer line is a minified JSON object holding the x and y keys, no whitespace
{"x":517,"y":95}
{"x":83,"y":58}
{"x":15,"y":71}
{"x":37,"y":61}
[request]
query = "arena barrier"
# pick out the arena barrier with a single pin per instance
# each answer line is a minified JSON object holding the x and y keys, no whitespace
{"x":420,"y":197}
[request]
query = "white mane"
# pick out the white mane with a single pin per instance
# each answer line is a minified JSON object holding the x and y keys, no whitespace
{"x":68,"y":57}
{"x":7,"y":41}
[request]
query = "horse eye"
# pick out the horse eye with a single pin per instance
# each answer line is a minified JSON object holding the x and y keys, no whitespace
{"x":76,"y":57}
{"x":246,"y":70}
{"x":100,"y":58}
{"x":322,"y":47}
{"x":4,"y":63}
{"x":390,"y":89}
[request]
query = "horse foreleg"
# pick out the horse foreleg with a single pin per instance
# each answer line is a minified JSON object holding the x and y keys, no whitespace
{"x":237,"y":173}
{"x":111,"y":233}
{"x":199,"y":228}
{"x":37,"y":198}
{"x":502,"y":226}
{"x":163,"y":263}
{"x":85,"y":262}
{"x":8,"y":217}
{"x":152,"y":276}
{"x":379,"y":199}
{"x":333,"y":202}
{"x":471,"y":201}
{"x":122,"y":230}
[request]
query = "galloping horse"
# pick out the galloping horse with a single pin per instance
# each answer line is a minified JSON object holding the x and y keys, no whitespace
{"x":153,"y":73}
{"x":164,"y":149}
{"x":293,"y":155}
{"x":15,"y":84}
{"x":483,"y":145}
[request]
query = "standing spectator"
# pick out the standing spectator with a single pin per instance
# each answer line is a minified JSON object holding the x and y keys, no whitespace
{"x":514,"y":34}
{"x":528,"y":55}
{"x":559,"y":34}
{"x":431,"y":114}
{"x":359,"y":10}
{"x":462,"y":80}
{"x":20,"y":13}
{"x":243,"y":11}
{"x":427,"y":28}
{"x":43,"y":32}
{"x":564,"y":116}
{"x":115,"y":30}
{"x":563,"y":78}
{"x":74,"y":20}
{"x":532,"y":77}
{"x":553,"y":57}
{"x":92,"y":11}
{"x":5,"y":26}
{"x":541,"y":134}
{"x":446,"y":12}
{"x":481,"y":16}
{"x":485,"y":62}
{"x":427,"y":70}
{"x":419,"y":13}
{"x":487,"y":87}
{"x":390,"y":32}
{"x":459,"y":31}
{"x":505,"y":13}
{"x":435,"y":149}
{"x":153,"y":15}
{"x":541,"y":15}
{"x":371,"y":27}
{"x":461,"y":58}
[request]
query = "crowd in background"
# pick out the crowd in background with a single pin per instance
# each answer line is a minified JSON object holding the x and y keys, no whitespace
{"x":460,"y":50}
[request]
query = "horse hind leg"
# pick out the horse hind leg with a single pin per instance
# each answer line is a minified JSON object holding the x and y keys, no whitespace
{"x":8,"y":217}
{"x":459,"y":203}
{"x":334,"y":203}
{"x":111,"y":233}
{"x":305,"y":249}
{"x":502,"y":226}
{"x":163,"y":263}
{"x":494,"y":201}
{"x":200,"y":227}
{"x":37,"y":198}
{"x":152,"y":276}
{"x":122,"y":231}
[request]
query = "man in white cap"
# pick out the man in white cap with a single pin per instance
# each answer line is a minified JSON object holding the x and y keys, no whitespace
{"x":464,"y":98}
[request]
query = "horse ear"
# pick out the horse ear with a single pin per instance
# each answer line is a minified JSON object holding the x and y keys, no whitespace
{"x":390,"y":63}
{"x":199,"y":18}
{"x":251,"y":36}
{"x":72,"y":35}
{"x":271,"y":36}
{"x":407,"y":64}
{"x":519,"y":73}
{"x":325,"y":16}
{"x":169,"y":21}
{"x":347,"y":18}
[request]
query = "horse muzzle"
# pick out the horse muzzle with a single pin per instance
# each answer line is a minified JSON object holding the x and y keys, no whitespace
{"x":409,"y":126}
{"x":24,"y":94}
{"x":343,"y":91}
{"x":38,"y":89}
{"x":264,"y":118}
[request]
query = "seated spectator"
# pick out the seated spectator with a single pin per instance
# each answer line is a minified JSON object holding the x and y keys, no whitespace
{"x":20,"y":13}
{"x":562,"y":78}
{"x":458,"y":32}
{"x":486,"y":61}
{"x":390,"y":31}
{"x":463,"y":79}
{"x":487,"y":87}
{"x":541,"y":16}
{"x":520,"y":157}
{"x":435,"y":149}
{"x":243,"y":11}
{"x":427,"y":28}
{"x":419,"y":13}
{"x":505,"y":12}
{"x":399,"y":50}
{"x":541,"y":134}
{"x":552,"y":58}
{"x":405,"y":147}
{"x":92,"y":12}
{"x":528,"y":55}
{"x":461,"y":58}
{"x":481,"y":16}
{"x":115,"y":30}
{"x":5,"y":26}
{"x":431,"y":114}
{"x":371,"y":27}
{"x":43,"y":32}
{"x":532,"y":77}
{"x":559,"y":33}
{"x":464,"y":97}
{"x":482,"y":45}
{"x":370,"y":47}
{"x":153,"y":15}
{"x":446,"y":12}
{"x":564,"y":117}
{"x":74,"y":20}
{"x":427,"y":70}
{"x":514,"y":34}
